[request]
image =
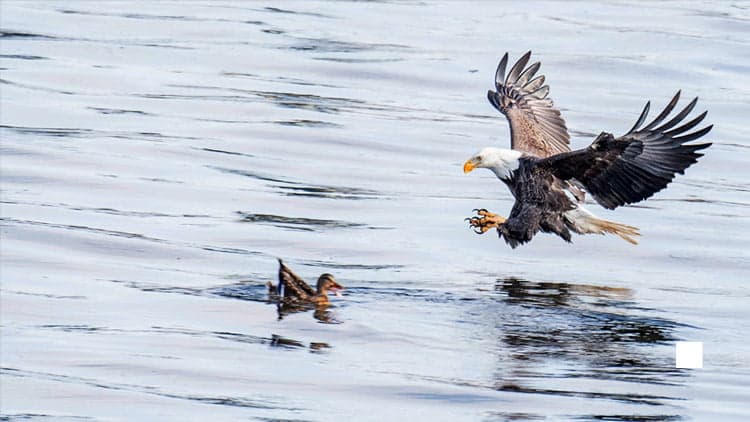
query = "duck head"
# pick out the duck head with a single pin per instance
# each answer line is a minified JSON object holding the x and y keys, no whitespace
{"x":326,"y":283}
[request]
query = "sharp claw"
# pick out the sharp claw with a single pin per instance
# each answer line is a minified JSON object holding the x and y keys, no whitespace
{"x":475,"y":210}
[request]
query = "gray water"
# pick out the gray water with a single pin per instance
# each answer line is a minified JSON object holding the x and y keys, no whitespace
{"x":158,"y":157}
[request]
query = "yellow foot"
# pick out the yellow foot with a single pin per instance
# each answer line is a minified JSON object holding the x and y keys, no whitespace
{"x":484,"y":221}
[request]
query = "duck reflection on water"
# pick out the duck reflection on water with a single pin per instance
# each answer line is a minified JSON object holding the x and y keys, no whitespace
{"x":293,"y":294}
{"x":288,"y":343}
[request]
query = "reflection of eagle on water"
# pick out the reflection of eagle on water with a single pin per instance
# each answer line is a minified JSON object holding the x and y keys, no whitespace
{"x":547,"y":179}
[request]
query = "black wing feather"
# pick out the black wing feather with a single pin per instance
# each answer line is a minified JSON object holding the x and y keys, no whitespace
{"x":642,"y":118}
{"x":631,"y":168}
{"x":678,"y":118}
{"x":687,"y":126}
{"x":664,"y":113}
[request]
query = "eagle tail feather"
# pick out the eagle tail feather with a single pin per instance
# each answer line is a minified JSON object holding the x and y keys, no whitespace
{"x":622,"y":230}
{"x":584,"y":222}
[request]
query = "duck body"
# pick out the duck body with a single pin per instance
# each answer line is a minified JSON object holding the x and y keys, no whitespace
{"x":292,"y":289}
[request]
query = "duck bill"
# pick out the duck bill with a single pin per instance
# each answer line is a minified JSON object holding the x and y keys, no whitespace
{"x":469,"y":166}
{"x":336,"y":290}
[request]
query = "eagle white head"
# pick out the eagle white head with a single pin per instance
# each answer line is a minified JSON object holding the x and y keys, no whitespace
{"x":502,"y":162}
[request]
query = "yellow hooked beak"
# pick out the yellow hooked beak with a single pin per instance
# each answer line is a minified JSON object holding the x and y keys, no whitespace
{"x":469,"y":165}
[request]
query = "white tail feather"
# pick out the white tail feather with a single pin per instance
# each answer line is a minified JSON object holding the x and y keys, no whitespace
{"x":582,"y":221}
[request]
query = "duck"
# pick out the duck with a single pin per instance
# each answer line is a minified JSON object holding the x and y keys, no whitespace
{"x":292,"y":289}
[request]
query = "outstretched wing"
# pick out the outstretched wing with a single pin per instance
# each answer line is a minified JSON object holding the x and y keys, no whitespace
{"x":536,"y":126}
{"x":631,"y":168}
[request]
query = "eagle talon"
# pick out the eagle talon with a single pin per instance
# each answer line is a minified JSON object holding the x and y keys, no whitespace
{"x":484,"y":221}
{"x":484,"y":213}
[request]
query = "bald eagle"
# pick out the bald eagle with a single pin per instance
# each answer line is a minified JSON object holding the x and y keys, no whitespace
{"x":548,"y":180}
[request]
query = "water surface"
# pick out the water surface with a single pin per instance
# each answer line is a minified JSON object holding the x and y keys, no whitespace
{"x":158,"y":157}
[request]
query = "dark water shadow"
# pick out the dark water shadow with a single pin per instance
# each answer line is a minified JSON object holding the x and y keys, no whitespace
{"x":328,"y":105}
{"x":72,"y":133}
{"x":294,"y":12}
{"x":42,"y":416}
{"x":22,"y":57}
{"x":274,"y":340}
{"x":558,"y":339}
{"x":298,"y":223}
{"x":356,"y":60}
{"x":10,"y":34}
{"x":306,"y":123}
{"x":283,"y":342}
{"x":583,"y":321}
{"x":327,"y":45}
{"x":236,"y":401}
{"x":629,"y":418}
{"x":293,"y":188}
{"x":591,"y":333}
{"x":328,"y":192}
{"x":279,"y":78}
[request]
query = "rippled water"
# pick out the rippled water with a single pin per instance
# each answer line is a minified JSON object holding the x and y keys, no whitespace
{"x":158,"y":157}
